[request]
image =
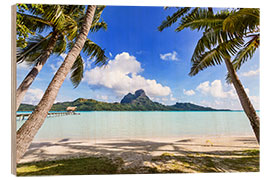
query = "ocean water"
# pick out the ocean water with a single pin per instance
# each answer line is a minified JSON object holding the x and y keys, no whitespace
{"x":152,"y":124}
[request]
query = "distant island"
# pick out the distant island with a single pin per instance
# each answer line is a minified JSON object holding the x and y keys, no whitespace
{"x":130,"y":102}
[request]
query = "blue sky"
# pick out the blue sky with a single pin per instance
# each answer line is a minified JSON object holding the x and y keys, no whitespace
{"x":142,"y":57}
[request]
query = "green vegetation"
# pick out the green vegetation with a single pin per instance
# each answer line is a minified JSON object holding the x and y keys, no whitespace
{"x":80,"y":166}
{"x":64,"y":23}
{"x":224,"y":161}
{"x":137,"y":102}
{"x":235,"y":161}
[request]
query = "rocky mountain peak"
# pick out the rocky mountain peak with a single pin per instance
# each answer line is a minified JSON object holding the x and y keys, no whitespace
{"x":130,"y":98}
{"x":140,"y":92}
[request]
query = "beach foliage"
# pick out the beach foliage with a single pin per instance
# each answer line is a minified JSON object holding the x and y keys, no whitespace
{"x":79,"y":166}
{"x":194,"y":162}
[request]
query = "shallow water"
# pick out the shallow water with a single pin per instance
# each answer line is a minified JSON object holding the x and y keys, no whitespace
{"x":152,"y":124}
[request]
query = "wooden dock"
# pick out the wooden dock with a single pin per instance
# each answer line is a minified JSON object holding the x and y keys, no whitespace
{"x":24,"y":116}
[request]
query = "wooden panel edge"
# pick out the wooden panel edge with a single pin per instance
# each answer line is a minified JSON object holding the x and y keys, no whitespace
{"x":13,"y":89}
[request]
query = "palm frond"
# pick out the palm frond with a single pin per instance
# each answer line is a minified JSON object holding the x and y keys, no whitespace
{"x":215,"y":56}
{"x":96,"y":23}
{"x":210,"y":58}
{"x":36,"y":9}
{"x":172,"y":19}
{"x":54,"y":14}
{"x":34,"y":23}
{"x":69,"y":28}
{"x":60,"y":46}
{"x":214,"y":36}
{"x":77,"y":71}
{"x":246,"y":52}
{"x":95,"y":27}
{"x":201,"y":19}
{"x":94,"y":51}
{"x":74,"y":10}
{"x":98,"y":12}
{"x":228,"y":78}
{"x":206,"y":42}
{"x":33,"y":50}
{"x":242,"y":21}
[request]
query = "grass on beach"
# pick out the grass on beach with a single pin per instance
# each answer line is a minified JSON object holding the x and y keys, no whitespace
{"x":78,"y":166}
{"x":235,"y":161}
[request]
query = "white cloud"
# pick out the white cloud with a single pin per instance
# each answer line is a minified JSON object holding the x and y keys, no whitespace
{"x":225,"y":96}
{"x":255,"y":100}
{"x":250,"y":73}
{"x":110,"y":54}
{"x":122,"y":76}
{"x":23,"y":65}
{"x":227,"y":103}
{"x":63,"y":55}
{"x":102,"y":97}
{"x":33,"y":96}
{"x":215,"y":89}
{"x":56,"y":66}
{"x":169,"y":56}
{"x":222,"y":104}
{"x":172,"y":98}
{"x":88,"y":62}
{"x":53,"y":67}
{"x":189,"y":92}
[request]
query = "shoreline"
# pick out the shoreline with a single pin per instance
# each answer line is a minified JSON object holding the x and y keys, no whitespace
{"x":162,"y":139}
{"x":136,"y":150}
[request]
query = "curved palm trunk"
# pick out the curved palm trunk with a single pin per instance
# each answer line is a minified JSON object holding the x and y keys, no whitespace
{"x":28,"y":80}
{"x":244,"y":100}
{"x":29,"y":129}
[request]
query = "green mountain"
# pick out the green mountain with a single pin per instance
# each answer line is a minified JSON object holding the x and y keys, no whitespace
{"x":130,"y":102}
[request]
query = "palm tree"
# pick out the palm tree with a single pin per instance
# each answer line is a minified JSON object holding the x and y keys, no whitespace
{"x":29,"y":129}
{"x":224,"y":36}
{"x":181,"y":12}
{"x":65,"y":24}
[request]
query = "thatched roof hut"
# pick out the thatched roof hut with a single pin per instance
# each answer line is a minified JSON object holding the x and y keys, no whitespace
{"x":70,"y":108}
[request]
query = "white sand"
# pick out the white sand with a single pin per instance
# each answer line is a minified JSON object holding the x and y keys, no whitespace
{"x":135,"y":151}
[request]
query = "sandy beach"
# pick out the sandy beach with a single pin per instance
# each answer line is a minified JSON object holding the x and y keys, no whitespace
{"x":138,"y":152}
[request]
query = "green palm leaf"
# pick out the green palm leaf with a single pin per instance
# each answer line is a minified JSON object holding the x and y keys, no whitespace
{"x":201,"y":19}
{"x":69,"y":28}
{"x":94,"y":51}
{"x":242,"y":21}
{"x":77,"y":71}
{"x":33,"y":50}
{"x":34,"y":23}
{"x":247,"y":51}
{"x":172,"y":19}
{"x":95,"y":27}
{"x":210,"y":58}
{"x":60,"y":46}
{"x":206,"y":42}
{"x":215,"y":56}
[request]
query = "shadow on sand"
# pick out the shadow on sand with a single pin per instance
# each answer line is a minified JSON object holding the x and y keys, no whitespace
{"x":142,"y":156}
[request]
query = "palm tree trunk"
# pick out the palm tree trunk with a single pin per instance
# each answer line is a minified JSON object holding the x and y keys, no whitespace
{"x":244,"y":100}
{"x":28,"y":80}
{"x":29,"y":129}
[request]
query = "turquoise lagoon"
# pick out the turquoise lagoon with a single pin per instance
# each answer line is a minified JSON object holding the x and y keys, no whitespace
{"x":150,"y":124}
